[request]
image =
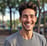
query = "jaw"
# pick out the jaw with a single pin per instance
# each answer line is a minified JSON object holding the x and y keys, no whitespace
{"x":28,"y":27}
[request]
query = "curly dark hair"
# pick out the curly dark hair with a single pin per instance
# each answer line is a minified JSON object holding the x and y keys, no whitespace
{"x":26,"y":5}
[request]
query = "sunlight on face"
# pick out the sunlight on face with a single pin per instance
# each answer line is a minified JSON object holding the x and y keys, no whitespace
{"x":28,"y":19}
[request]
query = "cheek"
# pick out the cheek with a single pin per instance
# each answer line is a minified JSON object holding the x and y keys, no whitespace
{"x":23,"y":20}
{"x":34,"y":20}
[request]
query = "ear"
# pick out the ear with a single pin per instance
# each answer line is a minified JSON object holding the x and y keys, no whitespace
{"x":35,"y":18}
{"x":19,"y":19}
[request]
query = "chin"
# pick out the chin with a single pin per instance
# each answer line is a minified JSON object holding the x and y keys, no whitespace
{"x":26,"y":29}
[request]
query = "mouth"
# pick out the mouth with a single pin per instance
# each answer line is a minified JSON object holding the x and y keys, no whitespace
{"x":28,"y":24}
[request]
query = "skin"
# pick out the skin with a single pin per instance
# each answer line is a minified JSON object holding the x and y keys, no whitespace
{"x":28,"y":21}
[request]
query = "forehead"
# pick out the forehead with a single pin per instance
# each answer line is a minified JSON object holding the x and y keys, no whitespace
{"x":28,"y":11}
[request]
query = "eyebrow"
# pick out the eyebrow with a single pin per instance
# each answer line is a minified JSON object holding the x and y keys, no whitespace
{"x":25,"y":15}
{"x":30,"y":15}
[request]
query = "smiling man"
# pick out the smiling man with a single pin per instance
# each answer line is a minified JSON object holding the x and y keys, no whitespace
{"x":28,"y":20}
{"x":26,"y":36}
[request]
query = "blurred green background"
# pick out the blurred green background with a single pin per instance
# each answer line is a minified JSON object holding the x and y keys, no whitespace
{"x":9,"y":15}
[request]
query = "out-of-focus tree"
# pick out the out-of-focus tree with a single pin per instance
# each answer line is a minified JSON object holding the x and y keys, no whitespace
{"x":2,"y":9}
{"x":17,"y":22}
{"x":10,"y":5}
{"x":15,"y":4}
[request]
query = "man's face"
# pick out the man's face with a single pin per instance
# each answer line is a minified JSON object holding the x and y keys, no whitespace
{"x":28,"y":19}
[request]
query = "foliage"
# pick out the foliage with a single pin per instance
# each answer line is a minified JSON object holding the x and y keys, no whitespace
{"x":42,"y":20}
{"x":46,"y":19}
{"x":8,"y":23}
{"x":17,"y":22}
{"x":37,"y":21}
{"x":13,"y":31}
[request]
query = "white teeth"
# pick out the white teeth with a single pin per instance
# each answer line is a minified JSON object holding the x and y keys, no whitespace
{"x":27,"y":24}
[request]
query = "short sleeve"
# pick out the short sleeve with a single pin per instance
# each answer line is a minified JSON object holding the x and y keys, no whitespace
{"x":44,"y":41}
{"x":6,"y":43}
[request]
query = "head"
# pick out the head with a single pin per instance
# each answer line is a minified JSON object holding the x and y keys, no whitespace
{"x":28,"y":11}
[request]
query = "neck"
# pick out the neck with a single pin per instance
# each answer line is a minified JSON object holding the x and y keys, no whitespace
{"x":26,"y":34}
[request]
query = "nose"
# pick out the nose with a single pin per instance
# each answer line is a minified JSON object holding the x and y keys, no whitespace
{"x":29,"y":19}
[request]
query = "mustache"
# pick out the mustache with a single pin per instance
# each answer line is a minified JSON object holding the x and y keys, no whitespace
{"x":28,"y":22}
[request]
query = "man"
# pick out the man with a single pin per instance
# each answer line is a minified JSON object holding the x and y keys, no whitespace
{"x":26,"y":36}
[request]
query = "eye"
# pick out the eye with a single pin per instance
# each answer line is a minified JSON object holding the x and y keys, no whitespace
{"x":24,"y":16}
{"x":32,"y":16}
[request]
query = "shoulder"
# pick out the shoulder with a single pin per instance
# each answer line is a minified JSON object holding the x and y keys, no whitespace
{"x":40,"y":37}
{"x":12,"y":37}
{"x":11,"y":40}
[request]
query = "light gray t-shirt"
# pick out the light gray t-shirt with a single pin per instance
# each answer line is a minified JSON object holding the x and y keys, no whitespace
{"x":17,"y":40}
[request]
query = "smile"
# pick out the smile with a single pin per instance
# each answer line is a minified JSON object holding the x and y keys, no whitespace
{"x":27,"y":24}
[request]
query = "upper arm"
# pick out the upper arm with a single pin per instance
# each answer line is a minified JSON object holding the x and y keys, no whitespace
{"x":44,"y":41}
{"x":6,"y":43}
